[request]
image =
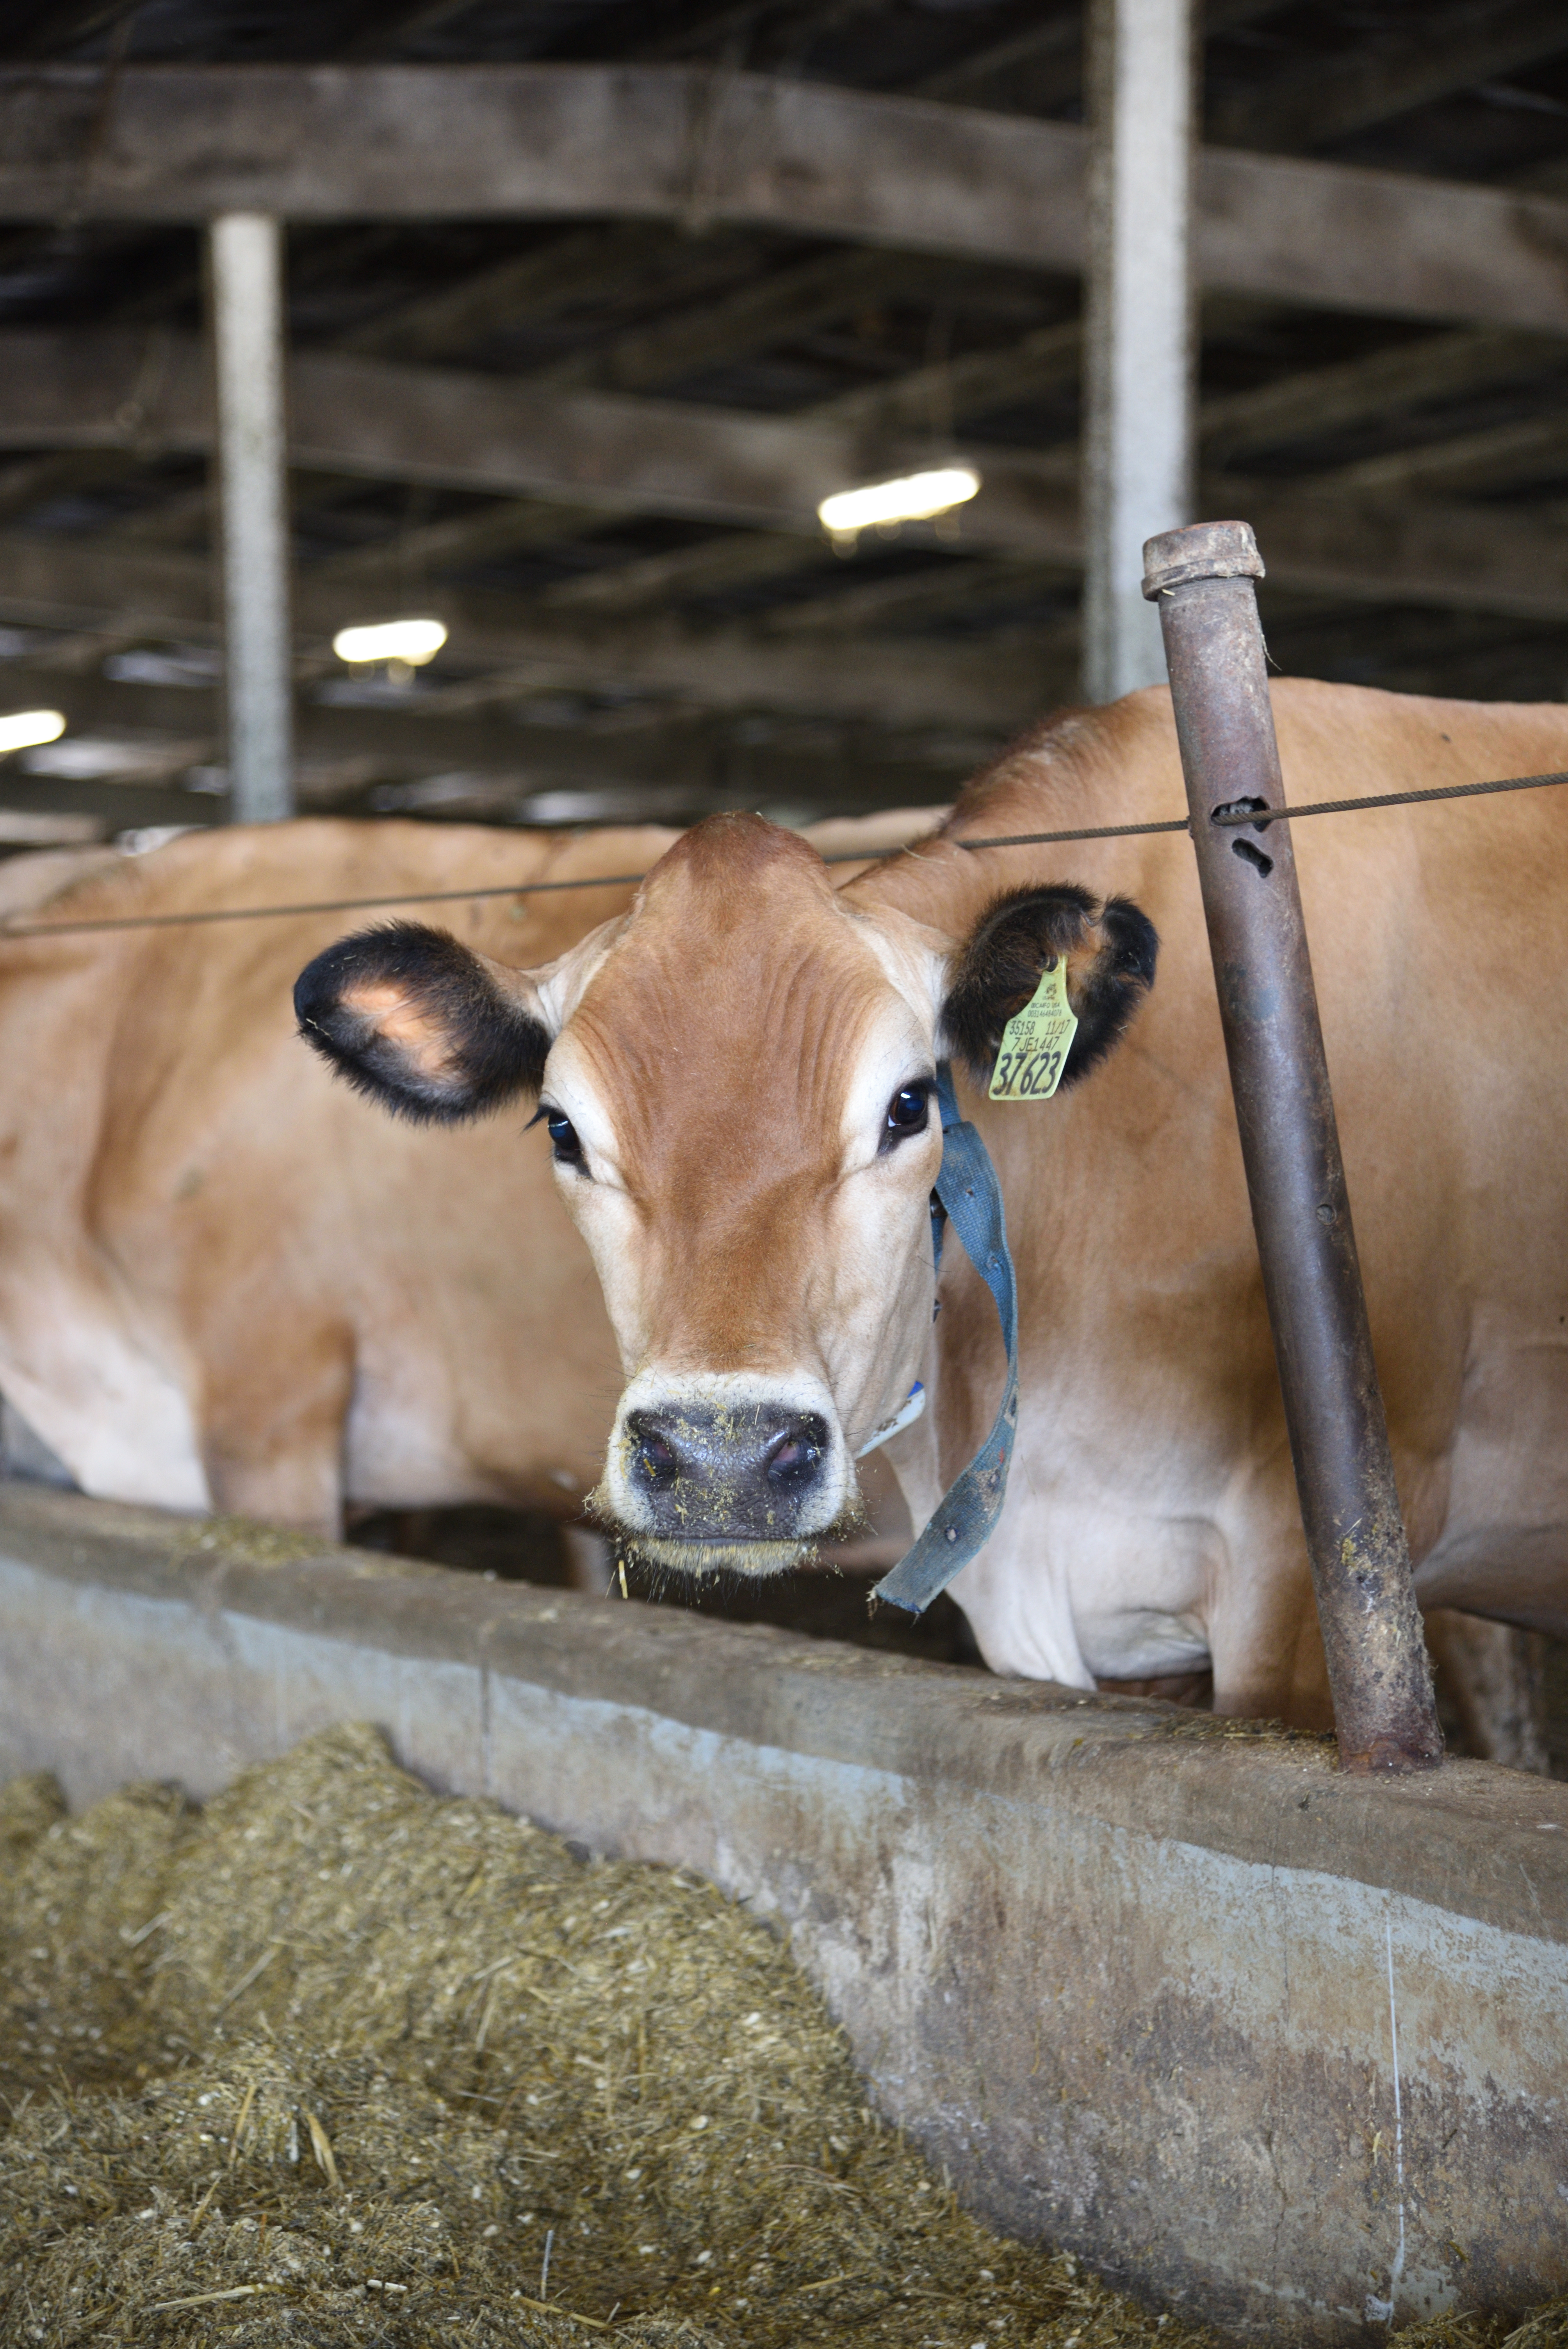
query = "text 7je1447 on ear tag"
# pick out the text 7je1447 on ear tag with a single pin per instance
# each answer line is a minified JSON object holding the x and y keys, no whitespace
{"x":1037,"y":1040}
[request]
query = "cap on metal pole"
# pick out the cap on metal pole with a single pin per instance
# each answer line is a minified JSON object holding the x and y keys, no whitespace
{"x":1205,"y":550}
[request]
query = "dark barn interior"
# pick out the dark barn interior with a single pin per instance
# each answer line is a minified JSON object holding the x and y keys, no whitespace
{"x":666,"y":651}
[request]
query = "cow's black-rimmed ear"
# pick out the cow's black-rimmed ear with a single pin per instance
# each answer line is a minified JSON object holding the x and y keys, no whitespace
{"x":1111,"y":951}
{"x":422,"y":1024}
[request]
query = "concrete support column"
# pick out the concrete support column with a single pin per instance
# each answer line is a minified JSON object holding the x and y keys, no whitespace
{"x":1139,"y":420}
{"x":247,"y":275}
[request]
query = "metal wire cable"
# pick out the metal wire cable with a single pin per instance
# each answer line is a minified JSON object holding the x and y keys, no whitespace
{"x":1401,"y":799}
{"x":12,"y":930}
{"x":1233,"y":819}
{"x":1095,"y":832}
{"x":317,"y":906}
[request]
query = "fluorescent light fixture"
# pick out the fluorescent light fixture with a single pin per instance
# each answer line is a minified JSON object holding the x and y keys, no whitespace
{"x":913,"y":497}
{"x":26,"y":726}
{"x":413,"y":642}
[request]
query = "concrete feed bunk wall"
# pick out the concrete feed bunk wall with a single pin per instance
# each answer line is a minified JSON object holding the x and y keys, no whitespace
{"x":1137,"y":1977}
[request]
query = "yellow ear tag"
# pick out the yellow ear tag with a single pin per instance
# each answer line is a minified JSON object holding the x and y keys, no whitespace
{"x":1036,"y":1041}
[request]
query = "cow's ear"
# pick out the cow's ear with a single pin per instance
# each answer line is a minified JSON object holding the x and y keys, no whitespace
{"x":425,"y":1026}
{"x":1109,"y":950}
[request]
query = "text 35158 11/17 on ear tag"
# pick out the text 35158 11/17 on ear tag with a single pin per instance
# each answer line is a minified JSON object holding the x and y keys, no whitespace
{"x":1037,"y":1040}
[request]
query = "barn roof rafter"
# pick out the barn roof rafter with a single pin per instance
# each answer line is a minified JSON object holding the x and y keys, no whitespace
{"x":588,"y":409}
{"x":706,"y":148}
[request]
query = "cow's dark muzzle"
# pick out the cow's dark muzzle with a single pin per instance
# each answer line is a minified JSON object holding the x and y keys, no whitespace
{"x":726,"y":1471}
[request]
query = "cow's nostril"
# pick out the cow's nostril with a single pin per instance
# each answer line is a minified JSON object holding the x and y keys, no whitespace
{"x":655,"y":1463}
{"x":796,"y":1452}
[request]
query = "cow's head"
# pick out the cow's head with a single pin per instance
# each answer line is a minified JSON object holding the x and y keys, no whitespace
{"x":737,"y":1081}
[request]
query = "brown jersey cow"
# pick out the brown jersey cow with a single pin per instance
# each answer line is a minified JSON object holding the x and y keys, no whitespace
{"x":737,"y":1077}
{"x":224,"y":1283}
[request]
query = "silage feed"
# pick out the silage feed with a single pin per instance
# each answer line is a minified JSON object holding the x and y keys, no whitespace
{"x":331,"y":2061}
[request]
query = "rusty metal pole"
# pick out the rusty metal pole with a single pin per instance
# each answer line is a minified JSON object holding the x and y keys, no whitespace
{"x":1201,"y":580}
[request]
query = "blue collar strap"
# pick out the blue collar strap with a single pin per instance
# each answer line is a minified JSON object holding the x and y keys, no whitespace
{"x":966,"y":1516}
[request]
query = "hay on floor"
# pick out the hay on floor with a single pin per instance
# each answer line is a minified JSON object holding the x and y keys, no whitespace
{"x":333,"y":2062}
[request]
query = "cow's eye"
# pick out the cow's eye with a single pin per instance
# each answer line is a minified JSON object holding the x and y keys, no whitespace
{"x":563,"y":1136}
{"x":908,"y":1112}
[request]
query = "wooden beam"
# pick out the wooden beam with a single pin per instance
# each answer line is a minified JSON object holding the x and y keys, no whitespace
{"x":1320,"y":233}
{"x":383,"y":27}
{"x":56,"y":582}
{"x":945,"y":587}
{"x":977,"y":384}
{"x":62,"y":26}
{"x":583,"y":265}
{"x":679,"y":747}
{"x":922,"y":400}
{"x":499,"y":529}
{"x":599,"y":450}
{"x":1495,"y":457}
{"x":1381,"y":550}
{"x":37,"y":479}
{"x":738,"y":559}
{"x":1446,"y":50}
{"x":1369,"y":550}
{"x":1030,"y":70}
{"x":485,"y":432}
{"x":398,"y":142}
{"x":1038,"y":69}
{"x":70,"y":583}
{"x":925,"y":399}
{"x":626,"y":455}
{"x":887,"y":683}
{"x":183,"y":519}
{"x":671,"y":142}
{"x":1410,"y":375}
{"x":112,"y":388}
{"x":772,"y":306}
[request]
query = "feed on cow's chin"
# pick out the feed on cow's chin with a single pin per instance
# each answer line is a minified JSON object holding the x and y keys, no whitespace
{"x":750,"y":1560}
{"x":756,"y":1561}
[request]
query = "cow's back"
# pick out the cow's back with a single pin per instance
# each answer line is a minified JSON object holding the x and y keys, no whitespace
{"x":1440,"y":952}
{"x":1439,"y":936}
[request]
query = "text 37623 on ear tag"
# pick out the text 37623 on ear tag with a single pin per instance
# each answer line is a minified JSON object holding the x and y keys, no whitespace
{"x":1036,"y":1041}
